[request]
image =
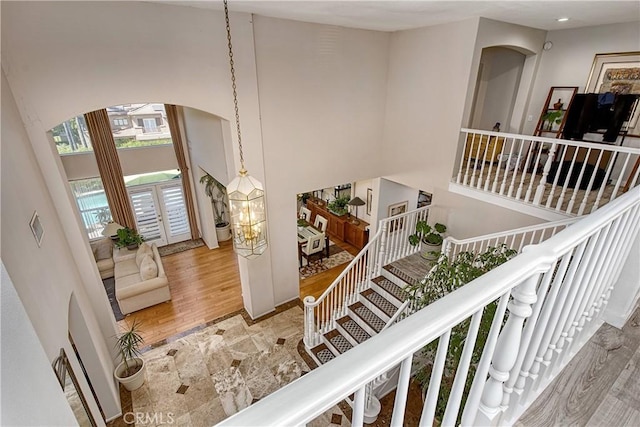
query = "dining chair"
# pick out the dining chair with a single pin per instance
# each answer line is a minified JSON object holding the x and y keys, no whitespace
{"x":321,"y":223}
{"x":314,"y":245}
{"x":304,"y":213}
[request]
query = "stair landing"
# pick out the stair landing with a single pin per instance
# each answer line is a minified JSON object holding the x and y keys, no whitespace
{"x":411,"y":269}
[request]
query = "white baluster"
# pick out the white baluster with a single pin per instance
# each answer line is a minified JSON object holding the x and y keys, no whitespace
{"x":545,"y":172}
{"x":400,"y":403}
{"x":358,"y":407}
{"x":506,"y":352}
{"x":607,"y":176}
{"x":577,"y":187}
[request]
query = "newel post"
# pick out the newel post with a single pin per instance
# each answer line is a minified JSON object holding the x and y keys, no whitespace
{"x":309,"y":332}
{"x":545,"y":172}
{"x":506,"y":351}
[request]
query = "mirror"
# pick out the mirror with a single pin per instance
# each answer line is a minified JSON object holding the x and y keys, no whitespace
{"x":72,"y":391}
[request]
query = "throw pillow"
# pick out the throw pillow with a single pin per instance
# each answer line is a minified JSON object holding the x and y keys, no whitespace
{"x":143,"y":250}
{"x":104,"y":249}
{"x":148,"y":268}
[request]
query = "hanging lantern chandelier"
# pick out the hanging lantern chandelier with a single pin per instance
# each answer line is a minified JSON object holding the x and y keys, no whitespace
{"x":246,"y":194}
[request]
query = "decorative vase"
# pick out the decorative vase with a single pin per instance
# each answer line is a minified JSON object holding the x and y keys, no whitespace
{"x":558,"y":105}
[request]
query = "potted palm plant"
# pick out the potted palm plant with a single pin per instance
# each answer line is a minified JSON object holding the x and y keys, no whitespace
{"x":130,"y":371}
{"x":218,"y":194}
{"x":431,"y":239}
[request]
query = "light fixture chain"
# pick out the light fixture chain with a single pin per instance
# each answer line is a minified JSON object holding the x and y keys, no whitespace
{"x":233,"y":82}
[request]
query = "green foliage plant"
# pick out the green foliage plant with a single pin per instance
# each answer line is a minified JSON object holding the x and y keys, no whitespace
{"x":218,"y":194}
{"x":446,"y":276}
{"x":551,"y":117}
{"x":128,"y":344}
{"x":426,"y":234}
{"x":339,"y":205}
{"x":128,"y":237}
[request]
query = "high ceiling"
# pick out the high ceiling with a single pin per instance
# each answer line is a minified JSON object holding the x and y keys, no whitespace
{"x":405,"y":14}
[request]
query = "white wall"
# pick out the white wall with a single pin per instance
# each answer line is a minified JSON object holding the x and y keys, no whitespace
{"x":501,"y":71}
{"x":424,"y":116}
{"x":31,"y":394}
{"x":359,"y":189}
{"x":206,"y":151}
{"x":132,"y":160}
{"x":46,"y":276}
{"x":322,"y":94}
{"x":390,"y":193}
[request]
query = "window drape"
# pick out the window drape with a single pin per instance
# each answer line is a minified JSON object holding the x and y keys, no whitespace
{"x":109,"y":167}
{"x":174,"y":127}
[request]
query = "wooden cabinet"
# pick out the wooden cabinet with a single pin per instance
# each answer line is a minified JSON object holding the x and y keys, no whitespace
{"x":336,"y":226}
{"x":340,"y":227}
{"x":356,"y":234}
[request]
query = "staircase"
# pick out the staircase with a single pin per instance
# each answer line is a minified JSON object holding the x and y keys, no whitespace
{"x":364,"y":300}
{"x":376,"y":308}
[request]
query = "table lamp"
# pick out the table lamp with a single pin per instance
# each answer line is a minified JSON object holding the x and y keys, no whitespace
{"x":111,"y":230}
{"x":356,"y":201}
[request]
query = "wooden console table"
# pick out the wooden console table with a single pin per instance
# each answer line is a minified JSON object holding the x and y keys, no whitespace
{"x":340,"y":227}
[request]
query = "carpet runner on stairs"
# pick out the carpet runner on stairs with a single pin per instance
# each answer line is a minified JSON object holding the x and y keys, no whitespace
{"x":367,"y":316}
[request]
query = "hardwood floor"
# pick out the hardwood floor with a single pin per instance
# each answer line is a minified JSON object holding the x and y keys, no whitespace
{"x":205,"y":285}
{"x":599,"y":387}
{"x":315,"y":285}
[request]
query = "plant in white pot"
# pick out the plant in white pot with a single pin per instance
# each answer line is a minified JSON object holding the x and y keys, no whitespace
{"x":130,"y":371}
{"x":430,"y":237}
{"x":218,"y":194}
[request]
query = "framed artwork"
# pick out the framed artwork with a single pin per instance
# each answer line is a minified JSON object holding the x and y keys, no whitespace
{"x":36,"y":228}
{"x":424,"y":199}
{"x":618,"y":73}
{"x":397,"y":209}
{"x":615,"y":72}
{"x":369,"y":200}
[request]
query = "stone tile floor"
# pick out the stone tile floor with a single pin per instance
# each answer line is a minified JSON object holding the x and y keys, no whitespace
{"x":204,"y":377}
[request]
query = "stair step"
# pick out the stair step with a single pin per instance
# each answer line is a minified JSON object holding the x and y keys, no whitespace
{"x":380,"y":302}
{"x":394,"y":290}
{"x":338,"y":341}
{"x":368,"y":316}
{"x":322,"y":353}
{"x":400,"y":274}
{"x":353,"y":329}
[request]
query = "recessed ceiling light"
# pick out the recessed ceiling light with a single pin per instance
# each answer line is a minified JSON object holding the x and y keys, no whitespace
{"x":562,"y":19}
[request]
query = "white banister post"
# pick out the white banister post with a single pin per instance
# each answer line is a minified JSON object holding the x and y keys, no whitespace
{"x":383,"y":241}
{"x":309,"y":330}
{"x":545,"y":172}
{"x":506,"y":352}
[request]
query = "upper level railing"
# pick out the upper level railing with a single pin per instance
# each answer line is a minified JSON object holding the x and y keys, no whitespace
{"x":560,"y":287}
{"x":567,"y":177}
{"x":514,"y":239}
{"x":388,"y":245}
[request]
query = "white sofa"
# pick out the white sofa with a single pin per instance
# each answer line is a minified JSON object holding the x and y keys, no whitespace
{"x":103,"y":254}
{"x":140,"y":279}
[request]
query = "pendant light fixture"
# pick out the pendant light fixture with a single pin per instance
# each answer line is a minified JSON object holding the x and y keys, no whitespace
{"x":246,"y":194}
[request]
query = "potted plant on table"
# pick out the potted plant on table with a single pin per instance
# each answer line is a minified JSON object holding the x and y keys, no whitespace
{"x":339,"y":206}
{"x":129,"y":238}
{"x":130,"y":371}
{"x":430,"y":237}
{"x":218,"y":194}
